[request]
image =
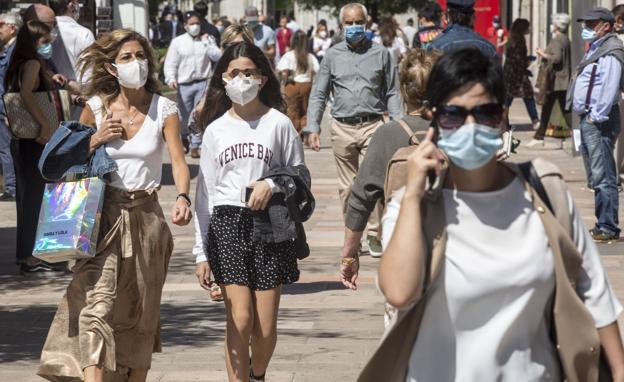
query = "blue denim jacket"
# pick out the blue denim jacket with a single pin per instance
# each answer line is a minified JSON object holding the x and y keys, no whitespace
{"x":66,"y":156}
{"x":457,"y":36}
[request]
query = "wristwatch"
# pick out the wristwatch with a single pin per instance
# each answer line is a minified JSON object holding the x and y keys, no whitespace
{"x":185,"y":197}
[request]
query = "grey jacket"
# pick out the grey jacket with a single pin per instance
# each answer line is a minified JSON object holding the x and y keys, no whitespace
{"x":559,"y":49}
{"x":611,"y":46}
{"x":368,"y":187}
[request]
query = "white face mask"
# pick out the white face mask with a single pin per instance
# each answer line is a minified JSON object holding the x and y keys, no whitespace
{"x":242,"y":90}
{"x":322,"y":34}
{"x":132,"y":75}
{"x":193,"y":29}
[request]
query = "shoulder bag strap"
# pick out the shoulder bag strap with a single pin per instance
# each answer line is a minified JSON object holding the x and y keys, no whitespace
{"x":590,"y":88}
{"x":411,"y":134}
{"x":529,"y":173}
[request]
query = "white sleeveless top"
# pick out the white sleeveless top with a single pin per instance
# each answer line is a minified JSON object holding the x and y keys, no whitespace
{"x":139,"y":159}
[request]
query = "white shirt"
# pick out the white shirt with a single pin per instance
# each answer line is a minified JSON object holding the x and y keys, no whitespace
{"x":321,"y":43}
{"x":410,"y":32}
{"x":484,"y":319}
{"x":236,"y":153}
{"x":139,"y":160}
{"x":293,"y":26}
{"x":289,"y":62}
{"x":190,"y":59}
{"x":72,"y":40}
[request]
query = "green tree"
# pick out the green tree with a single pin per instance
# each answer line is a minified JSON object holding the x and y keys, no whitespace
{"x":375,"y":7}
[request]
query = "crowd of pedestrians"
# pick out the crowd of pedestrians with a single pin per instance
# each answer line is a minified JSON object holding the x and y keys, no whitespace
{"x":486,"y":267}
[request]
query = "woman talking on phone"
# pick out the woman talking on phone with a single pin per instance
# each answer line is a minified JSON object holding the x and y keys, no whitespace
{"x":494,"y":286}
{"x":247,"y":138}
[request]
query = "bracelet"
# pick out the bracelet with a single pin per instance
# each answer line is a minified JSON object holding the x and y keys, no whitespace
{"x":185,"y":197}
{"x":346,"y":261}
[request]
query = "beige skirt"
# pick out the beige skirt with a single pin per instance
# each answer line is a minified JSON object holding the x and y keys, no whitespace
{"x":110,"y":314}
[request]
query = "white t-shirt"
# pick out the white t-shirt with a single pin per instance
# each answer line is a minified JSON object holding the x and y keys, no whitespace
{"x":321,"y":43}
{"x":289,"y":62}
{"x":236,"y":153}
{"x":139,"y":159}
{"x":484,"y":319}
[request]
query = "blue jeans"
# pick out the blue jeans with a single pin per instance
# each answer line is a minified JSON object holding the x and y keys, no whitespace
{"x":529,"y":103}
{"x":6,"y":160}
{"x":597,"y":141}
{"x":189,"y":95}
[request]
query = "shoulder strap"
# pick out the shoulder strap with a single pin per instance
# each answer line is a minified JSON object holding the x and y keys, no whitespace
{"x":547,"y":181}
{"x":529,"y":173}
{"x":590,"y":87}
{"x":413,"y":140}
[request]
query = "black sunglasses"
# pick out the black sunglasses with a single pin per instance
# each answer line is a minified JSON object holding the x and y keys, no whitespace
{"x":450,"y":117}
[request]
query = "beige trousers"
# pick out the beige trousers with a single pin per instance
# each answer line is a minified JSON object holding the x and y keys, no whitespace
{"x":350,"y":143}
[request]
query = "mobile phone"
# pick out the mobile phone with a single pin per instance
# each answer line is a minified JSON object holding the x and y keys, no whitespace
{"x":246,"y":194}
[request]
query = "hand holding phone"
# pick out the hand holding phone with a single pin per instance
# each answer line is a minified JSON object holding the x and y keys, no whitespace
{"x":424,"y":163}
{"x":260,"y":195}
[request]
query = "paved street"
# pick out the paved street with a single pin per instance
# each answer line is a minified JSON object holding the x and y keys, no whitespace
{"x":326,"y":333}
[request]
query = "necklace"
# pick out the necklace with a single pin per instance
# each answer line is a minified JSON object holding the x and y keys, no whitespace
{"x":131,"y":120}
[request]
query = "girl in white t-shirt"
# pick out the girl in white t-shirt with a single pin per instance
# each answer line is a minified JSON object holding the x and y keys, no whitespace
{"x":246,"y":137}
{"x":297,"y":68}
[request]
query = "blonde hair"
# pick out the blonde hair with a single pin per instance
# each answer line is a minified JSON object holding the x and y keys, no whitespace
{"x":233,"y":31}
{"x":104,"y":51}
{"x":413,"y":76}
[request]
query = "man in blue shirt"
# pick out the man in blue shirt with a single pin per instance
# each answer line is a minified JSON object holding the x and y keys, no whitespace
{"x":594,"y":94}
{"x":459,"y":34}
{"x":9,"y":26}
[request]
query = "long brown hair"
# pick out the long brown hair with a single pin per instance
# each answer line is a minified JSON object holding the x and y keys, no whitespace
{"x":105,"y":50}
{"x":517,"y":32}
{"x":387,"y":31}
{"x":299,"y":44}
{"x":217,"y":102}
{"x":25,"y":50}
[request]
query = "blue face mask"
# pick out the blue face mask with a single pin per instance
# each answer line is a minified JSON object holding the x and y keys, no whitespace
{"x":588,"y":34}
{"x":354,"y":33}
{"x":471,"y":146}
{"x":45,"y":51}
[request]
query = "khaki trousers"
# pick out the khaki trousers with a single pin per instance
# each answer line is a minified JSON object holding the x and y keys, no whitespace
{"x":350,"y":143}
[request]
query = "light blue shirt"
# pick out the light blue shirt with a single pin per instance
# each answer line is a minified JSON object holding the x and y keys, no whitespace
{"x":263,"y":37}
{"x":606,"y":92}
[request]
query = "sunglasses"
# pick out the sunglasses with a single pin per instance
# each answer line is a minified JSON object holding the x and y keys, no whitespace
{"x":246,"y":73}
{"x":451,"y":117}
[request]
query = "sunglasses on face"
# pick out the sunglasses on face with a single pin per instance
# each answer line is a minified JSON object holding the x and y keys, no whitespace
{"x":450,"y":117}
{"x":246,"y":73}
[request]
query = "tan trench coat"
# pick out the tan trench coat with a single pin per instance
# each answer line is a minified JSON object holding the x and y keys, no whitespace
{"x":574,"y":330}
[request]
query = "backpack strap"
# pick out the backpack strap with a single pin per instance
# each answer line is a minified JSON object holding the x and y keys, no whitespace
{"x":413,"y":140}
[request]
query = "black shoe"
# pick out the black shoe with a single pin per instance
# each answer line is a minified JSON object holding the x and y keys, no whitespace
{"x":40,"y":268}
{"x":603,"y":237}
{"x":186,"y":144}
{"x":4,"y":197}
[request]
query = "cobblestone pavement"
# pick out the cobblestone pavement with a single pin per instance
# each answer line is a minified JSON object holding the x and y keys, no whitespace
{"x":326,"y":333}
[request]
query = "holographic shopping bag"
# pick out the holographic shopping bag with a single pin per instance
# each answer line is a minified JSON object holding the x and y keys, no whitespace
{"x":69,"y":220}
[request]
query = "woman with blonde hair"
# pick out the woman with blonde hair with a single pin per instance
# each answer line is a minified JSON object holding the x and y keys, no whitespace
{"x":108,"y":324}
{"x":236,"y":33}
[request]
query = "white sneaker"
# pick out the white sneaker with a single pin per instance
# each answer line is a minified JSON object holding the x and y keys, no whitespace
{"x":536,"y":125}
{"x":535,"y":143}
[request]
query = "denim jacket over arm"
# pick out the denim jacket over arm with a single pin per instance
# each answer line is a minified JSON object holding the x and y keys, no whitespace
{"x":66,"y":156}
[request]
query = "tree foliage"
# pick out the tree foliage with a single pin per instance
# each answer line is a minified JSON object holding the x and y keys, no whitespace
{"x":375,"y":7}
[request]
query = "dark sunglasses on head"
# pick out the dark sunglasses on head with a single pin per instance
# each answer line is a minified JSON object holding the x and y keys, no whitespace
{"x":450,"y":117}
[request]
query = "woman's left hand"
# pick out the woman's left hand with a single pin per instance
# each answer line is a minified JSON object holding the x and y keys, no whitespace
{"x":181,"y":214}
{"x":260,"y":196}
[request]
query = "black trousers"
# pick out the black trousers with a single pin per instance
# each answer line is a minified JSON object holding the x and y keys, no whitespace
{"x":551,"y":98}
{"x":28,"y":195}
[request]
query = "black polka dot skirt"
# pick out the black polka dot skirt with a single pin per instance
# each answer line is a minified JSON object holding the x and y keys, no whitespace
{"x":236,"y":259}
